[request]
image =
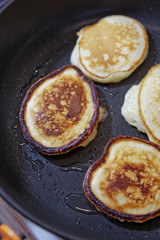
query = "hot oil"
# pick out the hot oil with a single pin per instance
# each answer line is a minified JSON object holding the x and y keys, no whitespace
{"x":79,"y":203}
{"x":79,"y":167}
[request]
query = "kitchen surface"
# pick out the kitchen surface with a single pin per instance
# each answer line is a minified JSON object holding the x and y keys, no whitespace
{"x":14,"y":226}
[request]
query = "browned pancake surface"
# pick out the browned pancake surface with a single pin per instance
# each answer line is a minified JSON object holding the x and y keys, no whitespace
{"x":125,"y":182}
{"x":60,"y":111}
{"x":60,"y":106}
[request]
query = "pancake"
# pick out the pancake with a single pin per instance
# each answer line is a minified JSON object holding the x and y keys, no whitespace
{"x":124,"y":183}
{"x":141,"y":107}
{"x":130,"y":108}
{"x":111,"y":49}
{"x":149,"y":103}
{"x":60,"y":111}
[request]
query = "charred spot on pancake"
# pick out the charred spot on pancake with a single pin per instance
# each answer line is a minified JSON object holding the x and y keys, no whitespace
{"x":60,"y":111}
{"x":124,"y":182}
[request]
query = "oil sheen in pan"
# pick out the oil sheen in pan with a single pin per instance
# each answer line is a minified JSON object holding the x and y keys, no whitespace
{"x":79,"y":203}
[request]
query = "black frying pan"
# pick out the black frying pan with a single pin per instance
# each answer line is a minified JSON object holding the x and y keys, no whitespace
{"x":37,"y":37}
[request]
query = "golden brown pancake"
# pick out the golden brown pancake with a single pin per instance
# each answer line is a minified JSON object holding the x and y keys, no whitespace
{"x":111,"y":49}
{"x":124,"y":182}
{"x":60,"y":111}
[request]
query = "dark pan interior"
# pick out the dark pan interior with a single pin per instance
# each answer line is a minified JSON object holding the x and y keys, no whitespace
{"x":37,"y":37}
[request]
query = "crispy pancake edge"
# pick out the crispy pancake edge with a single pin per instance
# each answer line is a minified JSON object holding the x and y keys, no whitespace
{"x":72,"y":144}
{"x":97,"y":203}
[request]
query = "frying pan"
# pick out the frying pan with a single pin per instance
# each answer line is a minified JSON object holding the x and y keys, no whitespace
{"x":37,"y":37}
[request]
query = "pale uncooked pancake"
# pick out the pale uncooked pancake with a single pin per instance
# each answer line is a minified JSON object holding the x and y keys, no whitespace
{"x":111,"y":49}
{"x":124,"y":182}
{"x":130,"y":108}
{"x":141,"y":106}
{"x":60,"y":111}
{"x":149,"y":103}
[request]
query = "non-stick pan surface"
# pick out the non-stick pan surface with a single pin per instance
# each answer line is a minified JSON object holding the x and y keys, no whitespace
{"x":37,"y":37}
